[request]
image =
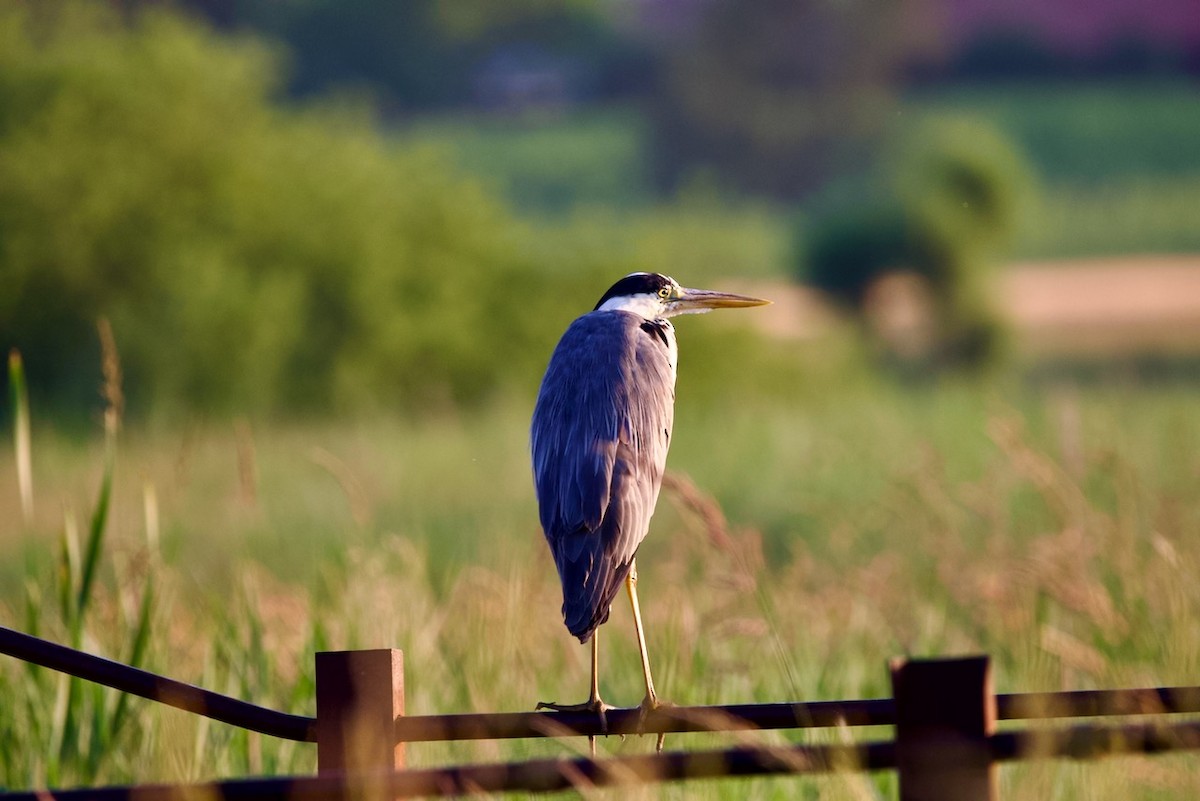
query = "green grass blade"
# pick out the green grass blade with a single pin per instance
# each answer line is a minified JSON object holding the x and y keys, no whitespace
{"x":68,"y":577}
{"x":99,"y":524}
{"x":59,"y":728}
{"x":94,"y":739}
{"x":114,"y":397}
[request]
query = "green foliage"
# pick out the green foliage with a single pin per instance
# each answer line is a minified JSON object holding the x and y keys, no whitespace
{"x":249,"y":256}
{"x":949,"y":197}
{"x":947,"y":204}
{"x":966,"y":178}
{"x":849,"y":247}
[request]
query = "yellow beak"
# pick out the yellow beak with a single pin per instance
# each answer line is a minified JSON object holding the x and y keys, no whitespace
{"x":702,"y":300}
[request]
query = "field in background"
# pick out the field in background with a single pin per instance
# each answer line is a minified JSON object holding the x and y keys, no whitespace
{"x":1095,"y":311}
{"x":1049,"y":526}
{"x":1116,"y":164}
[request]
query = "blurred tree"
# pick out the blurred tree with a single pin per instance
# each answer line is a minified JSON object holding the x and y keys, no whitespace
{"x":471,"y":20}
{"x":1008,"y":55}
{"x":250,"y":257}
{"x":398,"y":50}
{"x":777,"y":95}
{"x":946,"y":204}
{"x":421,"y":54}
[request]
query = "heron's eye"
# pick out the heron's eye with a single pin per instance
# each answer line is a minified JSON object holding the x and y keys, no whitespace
{"x":665,"y":292}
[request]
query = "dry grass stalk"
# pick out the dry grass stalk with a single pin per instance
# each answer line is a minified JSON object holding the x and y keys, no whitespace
{"x":110,"y":366}
{"x":21,"y":436}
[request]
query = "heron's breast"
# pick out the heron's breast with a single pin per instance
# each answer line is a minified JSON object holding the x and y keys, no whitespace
{"x":664,"y":335}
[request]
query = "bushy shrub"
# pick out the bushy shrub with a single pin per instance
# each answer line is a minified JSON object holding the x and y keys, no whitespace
{"x":250,"y":257}
{"x":943,"y":206}
{"x":963,"y":179}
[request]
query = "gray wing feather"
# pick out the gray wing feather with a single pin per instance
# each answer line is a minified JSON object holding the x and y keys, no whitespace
{"x":600,"y":434}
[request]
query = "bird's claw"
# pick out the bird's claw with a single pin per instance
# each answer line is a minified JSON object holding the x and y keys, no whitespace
{"x":649,"y":704}
{"x":596,"y":706}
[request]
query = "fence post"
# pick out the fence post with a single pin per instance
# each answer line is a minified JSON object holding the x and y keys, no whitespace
{"x":359,"y":696}
{"x":945,"y":711}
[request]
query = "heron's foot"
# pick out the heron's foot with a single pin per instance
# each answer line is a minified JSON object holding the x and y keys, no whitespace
{"x":648,"y":705}
{"x":595,"y":706}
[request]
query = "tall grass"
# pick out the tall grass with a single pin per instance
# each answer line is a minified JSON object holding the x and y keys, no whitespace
{"x":797,"y":548}
{"x":69,"y":728}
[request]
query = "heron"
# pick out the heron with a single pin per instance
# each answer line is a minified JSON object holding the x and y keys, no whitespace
{"x":599,"y":439}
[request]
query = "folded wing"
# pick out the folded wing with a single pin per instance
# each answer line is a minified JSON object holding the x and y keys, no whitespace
{"x":600,"y":434}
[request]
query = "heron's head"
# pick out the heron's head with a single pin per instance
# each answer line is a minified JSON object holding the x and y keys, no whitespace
{"x":655,"y":296}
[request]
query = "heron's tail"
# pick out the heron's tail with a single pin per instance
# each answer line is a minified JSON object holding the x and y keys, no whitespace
{"x":586,"y":607}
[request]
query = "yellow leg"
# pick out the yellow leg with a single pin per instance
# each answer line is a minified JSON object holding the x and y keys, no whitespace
{"x":593,"y":703}
{"x":651,"y":701}
{"x":631,"y":585}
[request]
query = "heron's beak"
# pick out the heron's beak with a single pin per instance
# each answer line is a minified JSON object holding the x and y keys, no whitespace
{"x":695,"y":301}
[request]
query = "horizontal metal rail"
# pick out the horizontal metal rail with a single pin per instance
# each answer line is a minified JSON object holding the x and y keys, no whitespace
{"x":512,"y":725}
{"x":1097,"y":703}
{"x":554,"y":775}
{"x":1090,"y":741}
{"x":801,"y":715}
{"x":538,"y":776}
{"x":157,"y":688}
{"x":664,"y":720}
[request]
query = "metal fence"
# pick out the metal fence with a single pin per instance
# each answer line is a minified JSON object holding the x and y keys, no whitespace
{"x":944,"y":713}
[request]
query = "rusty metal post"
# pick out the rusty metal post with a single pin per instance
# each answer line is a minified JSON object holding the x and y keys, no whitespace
{"x":359,"y":696}
{"x":945,"y":712}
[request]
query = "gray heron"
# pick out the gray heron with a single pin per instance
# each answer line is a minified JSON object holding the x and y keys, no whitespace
{"x":599,"y":438}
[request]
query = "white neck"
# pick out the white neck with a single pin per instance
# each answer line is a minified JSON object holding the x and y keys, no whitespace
{"x":645,"y":305}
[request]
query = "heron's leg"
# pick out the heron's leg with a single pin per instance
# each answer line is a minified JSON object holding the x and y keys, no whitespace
{"x":651,"y":701}
{"x":593,"y":703}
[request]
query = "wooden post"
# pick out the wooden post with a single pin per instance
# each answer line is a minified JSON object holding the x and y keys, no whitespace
{"x":359,"y":696}
{"x":945,"y":711}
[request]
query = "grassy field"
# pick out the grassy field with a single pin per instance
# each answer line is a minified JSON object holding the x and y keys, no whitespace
{"x":1050,"y":526}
